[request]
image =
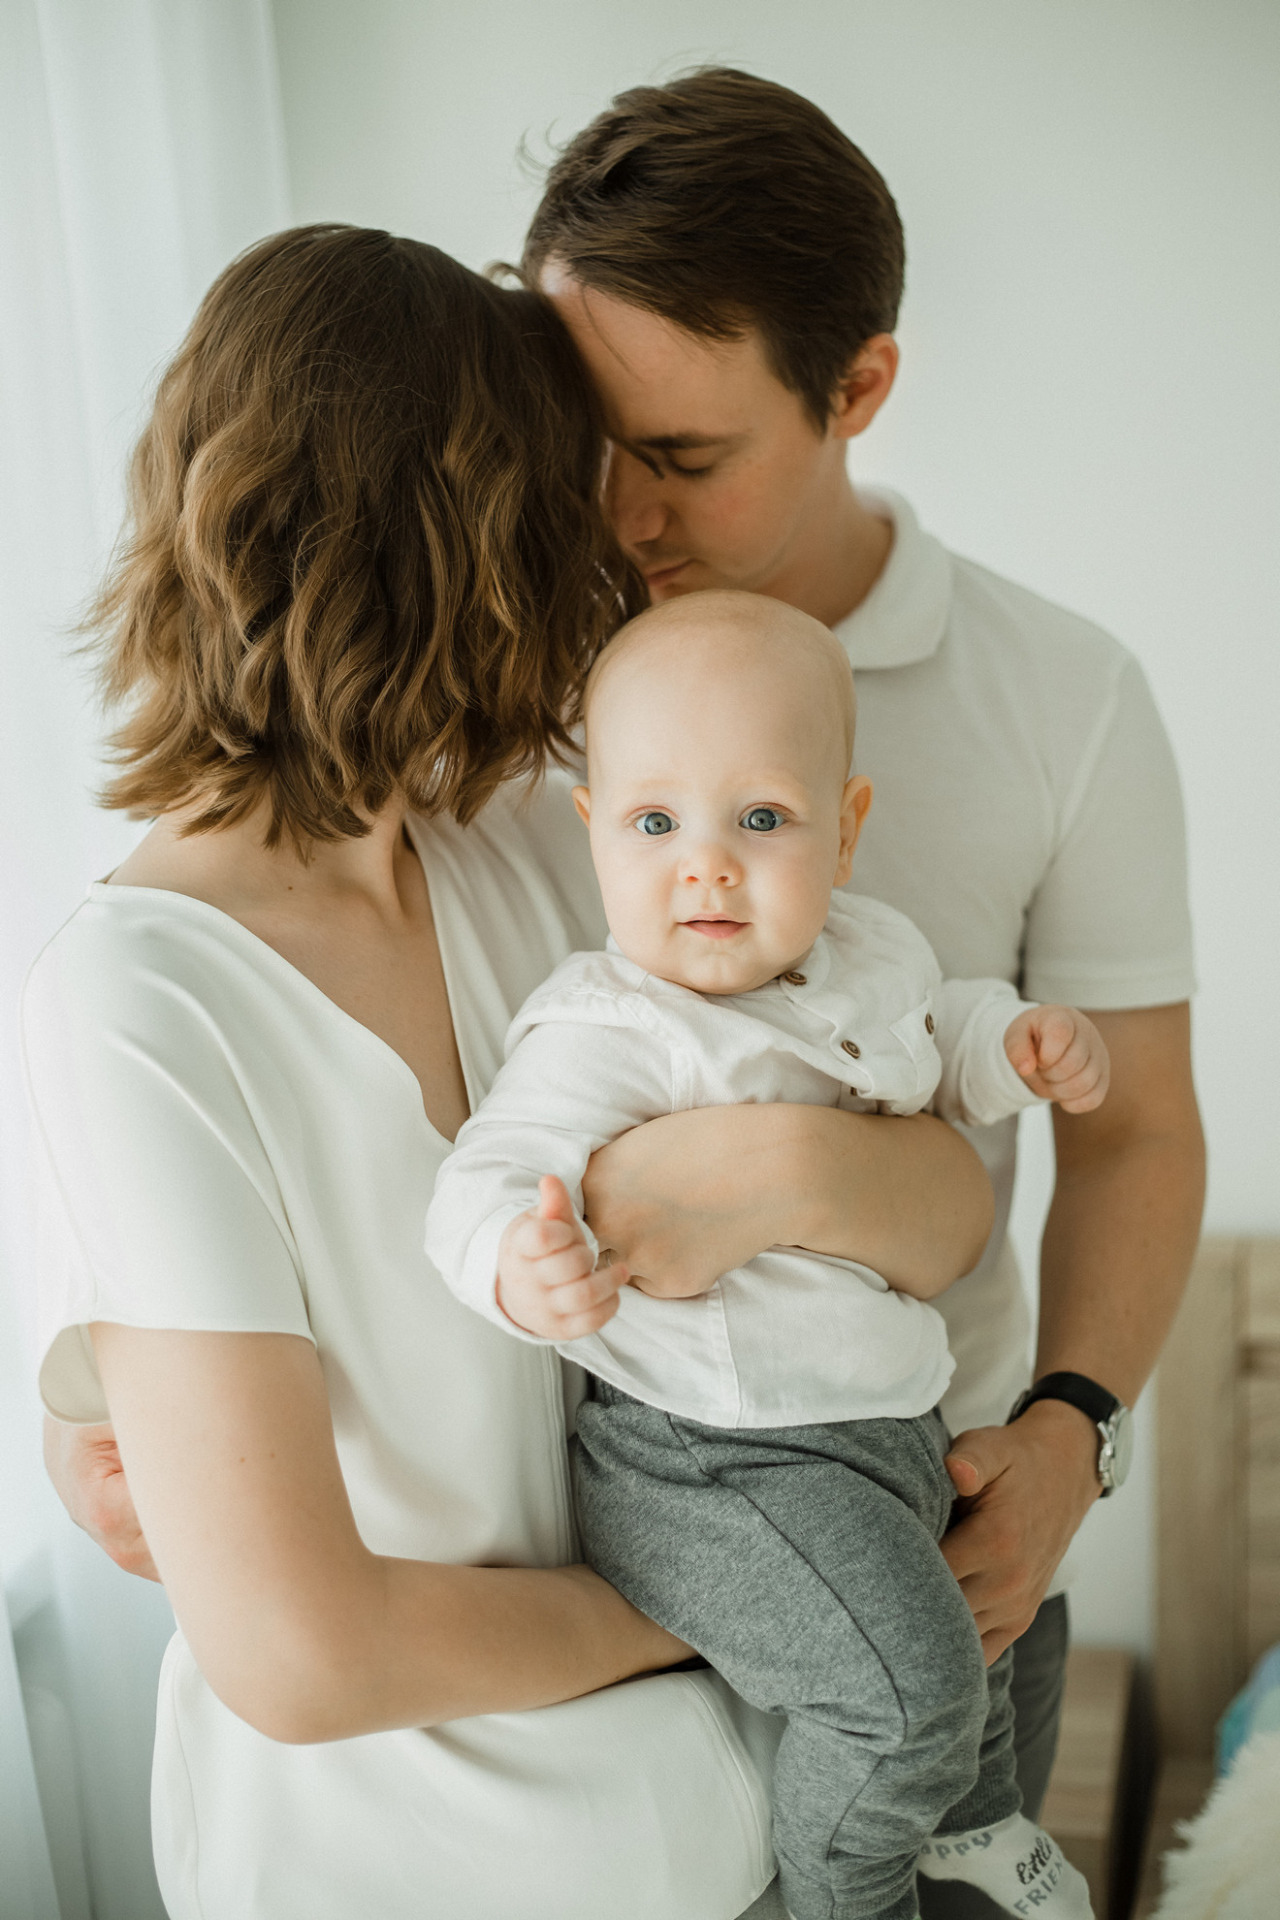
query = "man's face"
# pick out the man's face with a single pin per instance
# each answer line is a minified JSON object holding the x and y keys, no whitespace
{"x":718,"y":476}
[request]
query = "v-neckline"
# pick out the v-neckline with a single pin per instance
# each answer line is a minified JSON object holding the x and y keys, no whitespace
{"x":400,"y":1065}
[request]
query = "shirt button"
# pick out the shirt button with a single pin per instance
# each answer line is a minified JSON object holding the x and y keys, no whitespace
{"x":928,"y":1023}
{"x":852,"y":1048}
{"x":794,"y":979}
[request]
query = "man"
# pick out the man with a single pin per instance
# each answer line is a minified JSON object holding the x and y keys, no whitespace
{"x":730,"y":266}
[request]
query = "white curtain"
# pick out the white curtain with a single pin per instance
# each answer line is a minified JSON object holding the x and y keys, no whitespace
{"x":140,"y":148}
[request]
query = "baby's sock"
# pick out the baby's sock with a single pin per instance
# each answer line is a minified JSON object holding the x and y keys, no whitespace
{"x":1016,"y":1864}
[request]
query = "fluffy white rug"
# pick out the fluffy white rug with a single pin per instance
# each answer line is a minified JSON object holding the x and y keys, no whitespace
{"x":1230,"y":1867}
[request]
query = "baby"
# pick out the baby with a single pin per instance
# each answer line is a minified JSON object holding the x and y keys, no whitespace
{"x":760,"y":1467}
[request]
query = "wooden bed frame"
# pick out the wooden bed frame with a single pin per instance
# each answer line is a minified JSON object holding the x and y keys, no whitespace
{"x":1120,"y":1786}
{"x":1218,"y":1519}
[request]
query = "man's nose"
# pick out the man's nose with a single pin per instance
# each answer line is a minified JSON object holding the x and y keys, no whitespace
{"x":710,"y":864}
{"x":633,"y":500}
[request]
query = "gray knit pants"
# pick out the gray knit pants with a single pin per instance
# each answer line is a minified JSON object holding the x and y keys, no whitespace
{"x":803,"y":1563}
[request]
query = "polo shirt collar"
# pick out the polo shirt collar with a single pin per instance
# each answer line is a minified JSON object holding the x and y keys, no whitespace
{"x":904,"y":616}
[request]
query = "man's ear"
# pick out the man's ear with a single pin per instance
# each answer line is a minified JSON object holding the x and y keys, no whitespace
{"x":855,"y":804}
{"x":582,"y":801}
{"x":865,"y":386}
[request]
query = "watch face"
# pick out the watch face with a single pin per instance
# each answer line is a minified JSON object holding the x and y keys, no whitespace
{"x":1117,"y":1450}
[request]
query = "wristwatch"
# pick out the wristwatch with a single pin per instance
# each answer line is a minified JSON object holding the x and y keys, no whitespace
{"x":1110,"y":1416}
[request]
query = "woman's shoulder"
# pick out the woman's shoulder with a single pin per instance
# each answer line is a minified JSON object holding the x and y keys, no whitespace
{"x":143,"y":967}
{"x":123,"y":934}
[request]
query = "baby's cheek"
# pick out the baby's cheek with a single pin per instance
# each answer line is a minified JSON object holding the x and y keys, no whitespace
{"x":799,"y":902}
{"x":638,"y":921}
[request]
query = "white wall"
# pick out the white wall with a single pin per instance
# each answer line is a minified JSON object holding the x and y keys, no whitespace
{"x":1089,"y":399}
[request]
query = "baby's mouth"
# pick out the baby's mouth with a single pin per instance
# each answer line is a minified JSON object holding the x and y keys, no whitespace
{"x":716,"y":926}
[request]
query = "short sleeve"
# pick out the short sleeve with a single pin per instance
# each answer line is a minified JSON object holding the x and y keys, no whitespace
{"x":158,"y":1205}
{"x":1109,"y":926}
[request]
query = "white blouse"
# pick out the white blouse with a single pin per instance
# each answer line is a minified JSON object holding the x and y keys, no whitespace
{"x":224,"y":1148}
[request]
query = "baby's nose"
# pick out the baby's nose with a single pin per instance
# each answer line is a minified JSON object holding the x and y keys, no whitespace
{"x":710,"y":866}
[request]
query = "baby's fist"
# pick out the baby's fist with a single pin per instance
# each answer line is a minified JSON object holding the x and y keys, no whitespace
{"x":1061,"y":1055}
{"x":548,"y":1282}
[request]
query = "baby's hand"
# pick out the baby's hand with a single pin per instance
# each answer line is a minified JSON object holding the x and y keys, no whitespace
{"x":1061,"y":1055}
{"x":547,"y":1279}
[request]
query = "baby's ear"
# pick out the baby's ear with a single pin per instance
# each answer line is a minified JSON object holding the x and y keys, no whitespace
{"x":582,"y":801}
{"x":854,"y":805}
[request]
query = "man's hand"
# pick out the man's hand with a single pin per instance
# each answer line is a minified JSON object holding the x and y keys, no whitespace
{"x":84,"y":1466}
{"x":548,"y":1282}
{"x":1061,"y":1055}
{"x":1023,"y":1490}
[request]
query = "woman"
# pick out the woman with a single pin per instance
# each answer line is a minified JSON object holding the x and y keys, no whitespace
{"x":365,"y":575}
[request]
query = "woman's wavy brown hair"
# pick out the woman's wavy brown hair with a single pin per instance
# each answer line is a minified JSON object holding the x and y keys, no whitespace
{"x":365,"y":554}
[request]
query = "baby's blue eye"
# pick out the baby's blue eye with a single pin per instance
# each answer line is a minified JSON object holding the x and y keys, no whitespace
{"x":656,"y":823}
{"x":762,"y":820}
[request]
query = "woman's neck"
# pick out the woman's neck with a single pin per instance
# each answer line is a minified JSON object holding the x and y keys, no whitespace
{"x":232,"y":868}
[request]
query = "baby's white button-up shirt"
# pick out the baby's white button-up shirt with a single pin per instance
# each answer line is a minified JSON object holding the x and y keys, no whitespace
{"x":864,"y":1022}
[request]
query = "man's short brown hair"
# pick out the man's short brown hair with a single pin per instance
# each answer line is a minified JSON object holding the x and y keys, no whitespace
{"x":723,"y":201}
{"x":366,"y":554}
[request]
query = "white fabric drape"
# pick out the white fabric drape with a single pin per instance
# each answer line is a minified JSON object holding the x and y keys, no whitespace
{"x":140,"y":148}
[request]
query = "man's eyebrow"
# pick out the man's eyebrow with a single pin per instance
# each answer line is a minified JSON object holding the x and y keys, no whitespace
{"x":685,"y":442}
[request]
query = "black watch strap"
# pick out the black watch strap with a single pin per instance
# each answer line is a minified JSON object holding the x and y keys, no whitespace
{"x":1077,"y":1389}
{"x":1110,"y":1416}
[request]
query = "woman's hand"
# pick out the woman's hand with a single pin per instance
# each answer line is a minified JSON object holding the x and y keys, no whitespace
{"x":85,"y":1468}
{"x":686,"y":1197}
{"x":690,"y":1195}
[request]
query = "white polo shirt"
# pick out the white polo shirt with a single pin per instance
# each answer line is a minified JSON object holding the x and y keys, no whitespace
{"x":1028,"y":818}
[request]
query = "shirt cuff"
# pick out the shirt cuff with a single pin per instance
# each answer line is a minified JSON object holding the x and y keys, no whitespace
{"x":990,"y":1087}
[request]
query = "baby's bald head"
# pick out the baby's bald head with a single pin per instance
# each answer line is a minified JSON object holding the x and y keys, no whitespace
{"x":703,"y":645}
{"x":721,"y":808}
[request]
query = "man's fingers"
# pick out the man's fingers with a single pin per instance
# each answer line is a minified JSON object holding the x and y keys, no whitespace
{"x":967,"y":1557}
{"x":134,"y":1559}
{"x":977,"y":1457}
{"x":966,"y":1477}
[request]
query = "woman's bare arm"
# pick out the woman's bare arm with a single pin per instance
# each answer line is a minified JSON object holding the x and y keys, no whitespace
{"x":686,"y":1197}
{"x":302,"y":1631}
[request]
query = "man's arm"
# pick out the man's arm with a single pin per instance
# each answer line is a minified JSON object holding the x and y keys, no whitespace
{"x":1117,"y":1248}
